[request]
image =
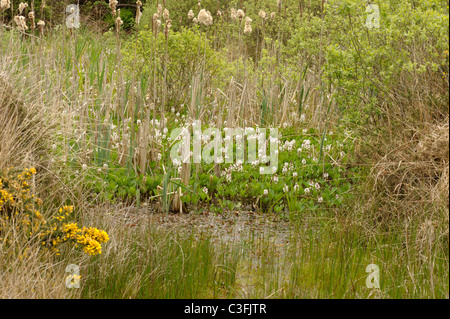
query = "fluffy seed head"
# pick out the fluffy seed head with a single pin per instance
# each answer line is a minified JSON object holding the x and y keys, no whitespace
{"x":233,"y":14}
{"x":159,"y":10}
{"x":241,"y":14}
{"x":22,"y":7}
{"x":191,"y":14}
{"x":5,"y":4}
{"x":205,"y":17}
{"x":262,"y":14}
{"x":247,"y":28}
{"x":113,"y":6}
{"x":166,"y":14}
{"x":21,"y":24}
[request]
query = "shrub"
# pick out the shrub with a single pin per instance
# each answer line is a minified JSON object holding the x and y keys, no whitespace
{"x":23,"y":222}
{"x":188,"y":53}
{"x":400,"y":63}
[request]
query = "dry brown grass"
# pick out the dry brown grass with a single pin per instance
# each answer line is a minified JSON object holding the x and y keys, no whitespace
{"x":415,"y":166}
{"x":25,"y":133}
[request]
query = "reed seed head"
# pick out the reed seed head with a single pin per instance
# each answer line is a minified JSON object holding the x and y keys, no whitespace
{"x":166,"y":14}
{"x":21,"y":24}
{"x":119,"y":21}
{"x":262,"y":14}
{"x":113,"y":6}
{"x":272,"y":15}
{"x":240,"y":14}
{"x":41,"y":25}
{"x":5,"y":4}
{"x":205,"y":17}
{"x":191,"y":14}
{"x":32,"y":19}
{"x":167,"y":28}
{"x":233,"y":14}
{"x":138,"y":12}
{"x":22,"y":7}
{"x":248,"y":26}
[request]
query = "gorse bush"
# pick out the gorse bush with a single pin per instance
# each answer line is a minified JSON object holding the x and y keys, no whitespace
{"x":23,"y":221}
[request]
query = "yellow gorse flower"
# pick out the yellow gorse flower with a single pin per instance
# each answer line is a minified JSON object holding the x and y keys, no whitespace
{"x":22,"y":210}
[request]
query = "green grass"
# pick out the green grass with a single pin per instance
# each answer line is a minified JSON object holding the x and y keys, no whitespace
{"x":319,"y":258}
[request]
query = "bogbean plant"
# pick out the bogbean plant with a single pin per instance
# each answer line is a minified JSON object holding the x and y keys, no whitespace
{"x":313,"y":174}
